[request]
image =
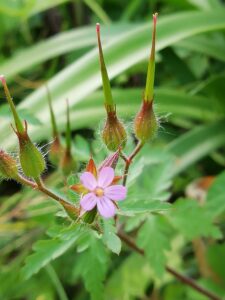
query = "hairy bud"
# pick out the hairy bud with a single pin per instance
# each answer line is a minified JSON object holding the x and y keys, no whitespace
{"x":8,"y":166}
{"x":31,"y":159}
{"x":114,"y":134}
{"x":145,"y":123}
{"x":110,"y":161}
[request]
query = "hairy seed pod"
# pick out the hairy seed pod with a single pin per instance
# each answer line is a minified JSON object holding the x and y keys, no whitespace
{"x":145,"y":123}
{"x":114,"y":134}
{"x":8,"y":166}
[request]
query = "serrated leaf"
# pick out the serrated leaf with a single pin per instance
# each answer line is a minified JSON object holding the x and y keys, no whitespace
{"x":192,"y":219}
{"x":48,"y":250}
{"x":93,"y":266}
{"x":110,"y":237}
{"x":154,"y":238}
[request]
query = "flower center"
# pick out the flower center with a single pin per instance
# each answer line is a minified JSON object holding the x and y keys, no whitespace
{"x":99,"y":192}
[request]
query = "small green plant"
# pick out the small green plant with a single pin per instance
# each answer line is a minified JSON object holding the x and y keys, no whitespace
{"x":116,"y":188}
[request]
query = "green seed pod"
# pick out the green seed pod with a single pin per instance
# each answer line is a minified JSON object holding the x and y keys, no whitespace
{"x":8,"y":166}
{"x":31,"y":159}
{"x":114,"y":134}
{"x":145,"y":123}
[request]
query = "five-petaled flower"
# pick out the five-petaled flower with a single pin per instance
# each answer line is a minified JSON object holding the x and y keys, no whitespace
{"x":100,"y":190}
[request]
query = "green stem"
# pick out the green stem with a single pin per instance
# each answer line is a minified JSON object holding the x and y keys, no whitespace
{"x":148,"y":95}
{"x":128,"y":161}
{"x":56,"y":282}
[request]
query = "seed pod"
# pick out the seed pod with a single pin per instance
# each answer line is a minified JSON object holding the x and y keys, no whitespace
{"x":145,"y":123}
{"x":113,"y":134}
{"x":31,"y":159}
{"x":8,"y":166}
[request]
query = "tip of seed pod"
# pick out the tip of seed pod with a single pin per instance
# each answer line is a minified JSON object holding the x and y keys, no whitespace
{"x":97,"y":27}
{"x":2,"y":78}
{"x":155,"y":15}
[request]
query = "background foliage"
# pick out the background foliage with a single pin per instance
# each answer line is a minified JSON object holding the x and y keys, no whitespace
{"x":176,"y":204}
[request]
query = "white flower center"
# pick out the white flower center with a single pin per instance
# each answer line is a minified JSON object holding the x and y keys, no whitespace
{"x":99,"y":192}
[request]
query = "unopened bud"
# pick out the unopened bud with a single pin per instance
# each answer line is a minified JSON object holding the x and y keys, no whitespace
{"x":31,"y":159}
{"x":111,"y":161}
{"x":8,"y":166}
{"x":145,"y":123}
{"x":114,"y":134}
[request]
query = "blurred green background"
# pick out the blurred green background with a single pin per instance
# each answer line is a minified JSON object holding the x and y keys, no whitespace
{"x":54,"y":43}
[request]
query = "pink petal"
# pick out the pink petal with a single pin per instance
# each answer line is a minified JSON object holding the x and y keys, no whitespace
{"x":88,"y":180}
{"x":116,"y":192}
{"x":105,"y":177}
{"x":88,"y":201}
{"x":106,"y":207}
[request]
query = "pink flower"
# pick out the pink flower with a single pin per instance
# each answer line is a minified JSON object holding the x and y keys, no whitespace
{"x":102,"y":192}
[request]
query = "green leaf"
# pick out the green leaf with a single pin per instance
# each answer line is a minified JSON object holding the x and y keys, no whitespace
{"x":130,"y":280}
{"x":93,"y":265}
{"x":192,"y":220}
{"x":215,"y":201}
{"x":110,"y":237}
{"x":154,"y":238}
{"x":48,"y":250}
